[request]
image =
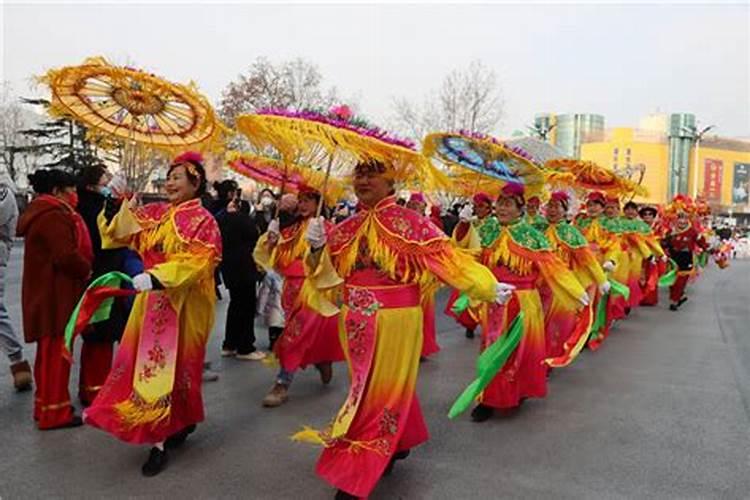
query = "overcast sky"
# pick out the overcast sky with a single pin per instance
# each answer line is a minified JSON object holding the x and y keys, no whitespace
{"x":620,"y":61}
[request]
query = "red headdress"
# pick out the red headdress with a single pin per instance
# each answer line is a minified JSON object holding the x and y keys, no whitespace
{"x":304,"y":189}
{"x":561,"y":197}
{"x":513,"y":190}
{"x":417,"y":198}
{"x":534,"y":200}
{"x":482,"y":198}
{"x":680,"y":204}
{"x":596,"y":196}
{"x":190,"y":159}
{"x":612,"y":199}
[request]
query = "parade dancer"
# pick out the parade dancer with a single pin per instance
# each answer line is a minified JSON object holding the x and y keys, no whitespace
{"x":681,"y":244}
{"x":573,"y":249}
{"x":617,"y":306}
{"x":605,"y":245}
{"x":310,"y":335}
{"x":430,"y":346}
{"x":388,"y":257}
{"x":635,"y":235}
{"x":533,"y":216}
{"x":153,"y":393}
{"x":654,"y":267}
{"x":522,"y":256}
{"x":480,"y":215}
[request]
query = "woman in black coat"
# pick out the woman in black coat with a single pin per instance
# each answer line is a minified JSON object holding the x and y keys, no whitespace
{"x":239,"y":235}
{"x":98,"y":340}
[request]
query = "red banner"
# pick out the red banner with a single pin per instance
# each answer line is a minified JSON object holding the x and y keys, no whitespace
{"x":712,"y":180}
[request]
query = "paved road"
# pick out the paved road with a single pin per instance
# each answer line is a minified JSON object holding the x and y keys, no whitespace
{"x":661,"y":411}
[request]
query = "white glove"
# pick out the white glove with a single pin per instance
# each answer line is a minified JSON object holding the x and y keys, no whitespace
{"x":584,"y":299}
{"x":608,"y":266}
{"x":118,"y":184}
{"x":273,"y":230}
{"x":664,"y":258}
{"x":316,"y":233}
{"x":503,"y":293}
{"x":605,"y":287}
{"x":143,"y":283}
{"x":466,"y":213}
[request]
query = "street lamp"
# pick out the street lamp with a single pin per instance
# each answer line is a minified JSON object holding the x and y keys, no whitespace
{"x":541,"y":131}
{"x":696,"y":136}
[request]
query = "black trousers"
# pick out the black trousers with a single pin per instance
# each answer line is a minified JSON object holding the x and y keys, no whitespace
{"x":239,"y":333}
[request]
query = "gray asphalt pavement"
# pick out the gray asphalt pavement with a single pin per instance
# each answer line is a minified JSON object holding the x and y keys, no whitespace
{"x":661,"y":411}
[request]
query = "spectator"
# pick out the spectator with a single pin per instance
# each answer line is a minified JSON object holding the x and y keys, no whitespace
{"x":9,"y":342}
{"x":98,"y":340}
{"x":56,"y":268}
{"x":239,"y":236}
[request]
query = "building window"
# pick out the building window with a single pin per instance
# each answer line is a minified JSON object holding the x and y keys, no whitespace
{"x":616,"y":151}
{"x":627,"y":152}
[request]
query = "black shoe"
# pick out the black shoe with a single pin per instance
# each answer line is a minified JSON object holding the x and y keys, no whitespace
{"x":672,"y":307}
{"x":481,"y":413}
{"x":178,"y":439}
{"x":326,"y":372}
{"x":157,"y":461}
{"x":469,"y":333}
{"x":396,"y":456}
{"x":682,"y":301}
{"x":342,"y":495}
{"x":75,"y":421}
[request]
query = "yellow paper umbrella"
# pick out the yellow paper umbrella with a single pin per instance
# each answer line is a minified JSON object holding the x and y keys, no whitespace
{"x":336,"y":141}
{"x":585,"y":175}
{"x":135,"y":106}
{"x":289,"y":177}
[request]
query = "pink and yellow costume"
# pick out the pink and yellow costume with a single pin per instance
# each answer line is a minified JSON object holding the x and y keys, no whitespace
{"x":522,"y":256}
{"x":154,"y":388}
{"x":573,"y":249}
{"x":388,"y":258}
{"x":311,"y":330}
{"x":605,"y":245}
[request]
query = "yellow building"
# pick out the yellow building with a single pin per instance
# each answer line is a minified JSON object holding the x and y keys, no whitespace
{"x":723,"y":174}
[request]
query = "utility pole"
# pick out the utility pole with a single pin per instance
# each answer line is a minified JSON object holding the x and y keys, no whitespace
{"x":697,"y":136}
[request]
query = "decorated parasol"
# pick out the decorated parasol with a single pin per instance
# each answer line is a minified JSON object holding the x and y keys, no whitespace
{"x":588,"y":176}
{"x":134,"y":106}
{"x":286,"y":176}
{"x":537,"y":150}
{"x":335,"y":142}
{"x":477,"y":162}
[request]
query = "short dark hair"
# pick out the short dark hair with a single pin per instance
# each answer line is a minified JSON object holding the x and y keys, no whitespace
{"x":225,"y":187}
{"x":269,"y":191}
{"x":45,"y":180}
{"x":647,"y":210}
{"x":91,"y":175}
{"x":630,"y":204}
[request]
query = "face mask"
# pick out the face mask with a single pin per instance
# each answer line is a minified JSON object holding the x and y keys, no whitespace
{"x":266,"y":202}
{"x":72,"y":199}
{"x":105,"y":191}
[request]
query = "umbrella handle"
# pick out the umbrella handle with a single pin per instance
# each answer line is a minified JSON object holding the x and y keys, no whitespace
{"x":325,"y":186}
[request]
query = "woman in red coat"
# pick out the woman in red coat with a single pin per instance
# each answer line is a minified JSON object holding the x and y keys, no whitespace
{"x":55,"y":270}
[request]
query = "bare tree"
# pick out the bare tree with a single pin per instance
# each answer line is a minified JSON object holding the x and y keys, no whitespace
{"x":290,"y":84}
{"x":468,"y":99}
{"x":15,"y":147}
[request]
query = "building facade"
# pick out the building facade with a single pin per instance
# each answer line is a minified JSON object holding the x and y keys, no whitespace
{"x":718,"y":171}
{"x":568,"y":131}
